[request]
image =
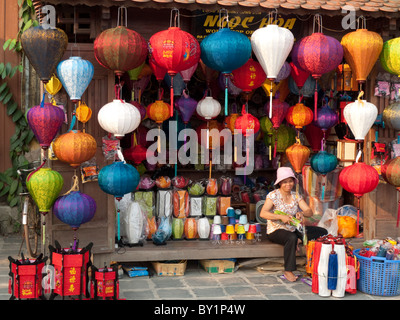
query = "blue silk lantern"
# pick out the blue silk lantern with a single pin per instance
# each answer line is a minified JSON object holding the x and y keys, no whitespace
{"x":118,"y":179}
{"x":322,"y":163}
{"x":225,"y":51}
{"x":75,"y":75}
{"x":74,"y":209}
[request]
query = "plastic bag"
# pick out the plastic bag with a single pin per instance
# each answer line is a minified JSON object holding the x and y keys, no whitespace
{"x":329,"y":221}
{"x":210,"y":206}
{"x":347,"y":226}
{"x":134,"y":226}
{"x":196,"y":206}
{"x":222,"y":205}
{"x":89,"y":171}
{"x":110,"y":146}
{"x":181,"y":203}
{"x":164,"y":203}
{"x":146,"y":201}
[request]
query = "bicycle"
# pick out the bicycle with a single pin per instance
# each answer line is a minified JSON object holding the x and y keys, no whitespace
{"x":31,"y":219}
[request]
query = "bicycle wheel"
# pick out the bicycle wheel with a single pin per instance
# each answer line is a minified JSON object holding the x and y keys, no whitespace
{"x":31,"y":223}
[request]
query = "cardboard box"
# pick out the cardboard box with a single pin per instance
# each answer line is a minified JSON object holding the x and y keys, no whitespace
{"x":219,"y":266}
{"x":170,"y":268}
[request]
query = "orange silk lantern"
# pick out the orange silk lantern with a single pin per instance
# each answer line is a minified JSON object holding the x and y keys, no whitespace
{"x":361,"y":49}
{"x":230,"y":122}
{"x":159,"y":112}
{"x":298,"y":155}
{"x":75,"y":147}
{"x":299,"y":115}
{"x":83,"y":113}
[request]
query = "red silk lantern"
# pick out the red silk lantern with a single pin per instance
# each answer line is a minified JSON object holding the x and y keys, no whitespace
{"x":137,"y":154}
{"x":247,"y":122}
{"x":314,"y":136}
{"x":391,"y":174}
{"x":158,"y":71}
{"x":280,"y":110}
{"x":174,"y":50}
{"x":299,"y":75}
{"x":299,"y":115}
{"x":249,"y":77}
{"x":120,"y":49}
{"x":298,"y":155}
{"x":359,"y":178}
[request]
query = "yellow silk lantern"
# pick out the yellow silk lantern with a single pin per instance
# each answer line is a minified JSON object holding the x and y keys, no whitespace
{"x":53,"y":86}
{"x":83,"y":113}
{"x":390,"y":56}
{"x":361,"y":49}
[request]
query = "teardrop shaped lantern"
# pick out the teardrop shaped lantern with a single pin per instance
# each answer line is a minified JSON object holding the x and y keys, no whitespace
{"x":44,"y":186}
{"x":119,"y":117}
{"x":299,"y":75}
{"x":390,"y":56}
{"x":186,"y":107}
{"x":174,"y":50}
{"x":359,"y":179}
{"x":322,"y":163}
{"x":75,"y":147}
{"x":279,"y":111}
{"x":208,"y":108}
{"x":53,"y":86}
{"x":75,"y":75}
{"x":272,"y":45}
{"x":297,"y":155}
{"x":74,"y":209}
{"x":249,"y":76}
{"x":299,"y":115}
{"x":317,"y":54}
{"x":391,"y":116}
{"x":45,"y":121}
{"x":188,"y":73}
{"x":225,"y":50}
{"x":361,"y":51}
{"x":44,"y":48}
{"x":360,"y":116}
{"x":120,"y":49}
{"x":391,"y":174}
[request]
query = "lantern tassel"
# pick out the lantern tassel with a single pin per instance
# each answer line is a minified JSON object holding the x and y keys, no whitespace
{"x":44,"y":233}
{"x":332,"y":270}
{"x":270,"y":102}
{"x":315,"y":100}
{"x":226,"y":94}
{"x":358,"y":216}
{"x":172,"y":96}
{"x":118,"y":223}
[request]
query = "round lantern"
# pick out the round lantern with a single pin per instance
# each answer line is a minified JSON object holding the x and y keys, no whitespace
{"x":272,"y":45}
{"x":230,"y":120}
{"x":249,"y":76}
{"x":326,"y":118}
{"x":391,"y":116}
{"x":280,"y":109}
{"x":137,"y":154}
{"x":360,"y":116}
{"x":120,"y":49}
{"x":391,"y":174}
{"x":75,"y":147}
{"x":389,"y":56}
{"x":186,"y":107}
{"x":208,"y":108}
{"x":75,"y":75}
{"x":284,"y":137}
{"x":174,"y":50}
{"x":44,"y":186}
{"x":177,"y":228}
{"x":225,"y":51}
{"x":119,"y":117}
{"x":359,"y":178}
{"x":203,"y":228}
{"x":158,"y":111}
{"x":299,"y":75}
{"x":74,"y":209}
{"x":361,"y":50}
{"x":44,"y":48}
{"x":297,"y":155}
{"x":299,"y":115}
{"x":322,"y":163}
{"x":247,"y":124}
{"x":190,"y":228}
{"x":45,"y":121}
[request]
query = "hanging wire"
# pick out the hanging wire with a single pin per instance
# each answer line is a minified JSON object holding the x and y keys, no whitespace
{"x":175,"y":19}
{"x":222,"y":19}
{"x":120,"y":14}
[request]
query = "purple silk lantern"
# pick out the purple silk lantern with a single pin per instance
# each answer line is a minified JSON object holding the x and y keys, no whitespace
{"x":45,"y":120}
{"x":232,"y":89}
{"x":326,"y":119}
{"x":141,"y":108}
{"x":186,"y":106}
{"x":284,"y":72}
{"x":74,"y":209}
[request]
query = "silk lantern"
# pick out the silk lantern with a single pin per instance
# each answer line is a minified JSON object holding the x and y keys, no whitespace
{"x":225,"y":51}
{"x":326,"y":119}
{"x":299,"y":75}
{"x":391,"y":174}
{"x":45,"y":121}
{"x":119,"y":117}
{"x":284,"y":137}
{"x":208,"y":108}
{"x":188,"y":73}
{"x":389,"y":56}
{"x":391,"y":117}
{"x":174,"y":50}
{"x":322,"y":163}
{"x":297,"y":155}
{"x":186,"y":107}
{"x":317,"y":54}
{"x":120,"y":49}
{"x":203,"y":228}
{"x":75,"y":75}
{"x":361,"y":50}
{"x":360,"y":116}
{"x":359,"y":178}
{"x":74,"y":209}
{"x":230,"y":120}
{"x":159,"y":73}
{"x":299,"y":115}
{"x":75,"y":147}
{"x":284,"y":73}
{"x":315,"y":136}
{"x":190,"y":228}
{"x":249,"y":76}
{"x":53,"y":86}
{"x":44,"y":48}
{"x":134,"y":73}
{"x":272,"y":45}
{"x":83,"y":113}
{"x":158,"y":111}
{"x":280,"y":109}
{"x":137,"y":154}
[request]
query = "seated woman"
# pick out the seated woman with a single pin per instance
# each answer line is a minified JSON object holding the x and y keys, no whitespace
{"x":278,"y":228}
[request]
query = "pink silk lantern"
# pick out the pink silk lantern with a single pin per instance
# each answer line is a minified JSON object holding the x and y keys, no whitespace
{"x":280,"y":109}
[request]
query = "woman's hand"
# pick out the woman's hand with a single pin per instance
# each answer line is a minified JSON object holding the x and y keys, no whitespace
{"x":300,"y":216}
{"x":285,"y":218}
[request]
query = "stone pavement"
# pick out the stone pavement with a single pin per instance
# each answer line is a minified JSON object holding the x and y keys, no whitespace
{"x":196,"y":284}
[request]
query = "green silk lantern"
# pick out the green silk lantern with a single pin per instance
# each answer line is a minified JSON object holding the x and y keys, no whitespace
{"x":390,"y":56}
{"x":284,"y":137}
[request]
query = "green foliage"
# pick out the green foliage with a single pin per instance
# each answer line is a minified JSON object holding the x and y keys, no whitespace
{"x":10,"y":185}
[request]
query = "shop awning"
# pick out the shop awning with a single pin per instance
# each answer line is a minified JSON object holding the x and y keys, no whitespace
{"x":367,"y":8}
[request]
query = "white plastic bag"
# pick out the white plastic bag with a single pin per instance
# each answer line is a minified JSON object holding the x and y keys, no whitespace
{"x":135,"y":223}
{"x":329,"y":221}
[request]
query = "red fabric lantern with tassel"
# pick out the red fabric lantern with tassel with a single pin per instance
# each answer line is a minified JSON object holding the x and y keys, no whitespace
{"x":247,"y":122}
{"x":299,"y":115}
{"x":249,"y":77}
{"x":359,"y":179}
{"x":137,"y":154}
{"x":391,"y":173}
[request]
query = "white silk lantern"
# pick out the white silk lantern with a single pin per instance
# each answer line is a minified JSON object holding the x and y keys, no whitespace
{"x":360,"y":115}
{"x":203,"y":228}
{"x":272,"y":45}
{"x":208,"y":108}
{"x":119,"y":117}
